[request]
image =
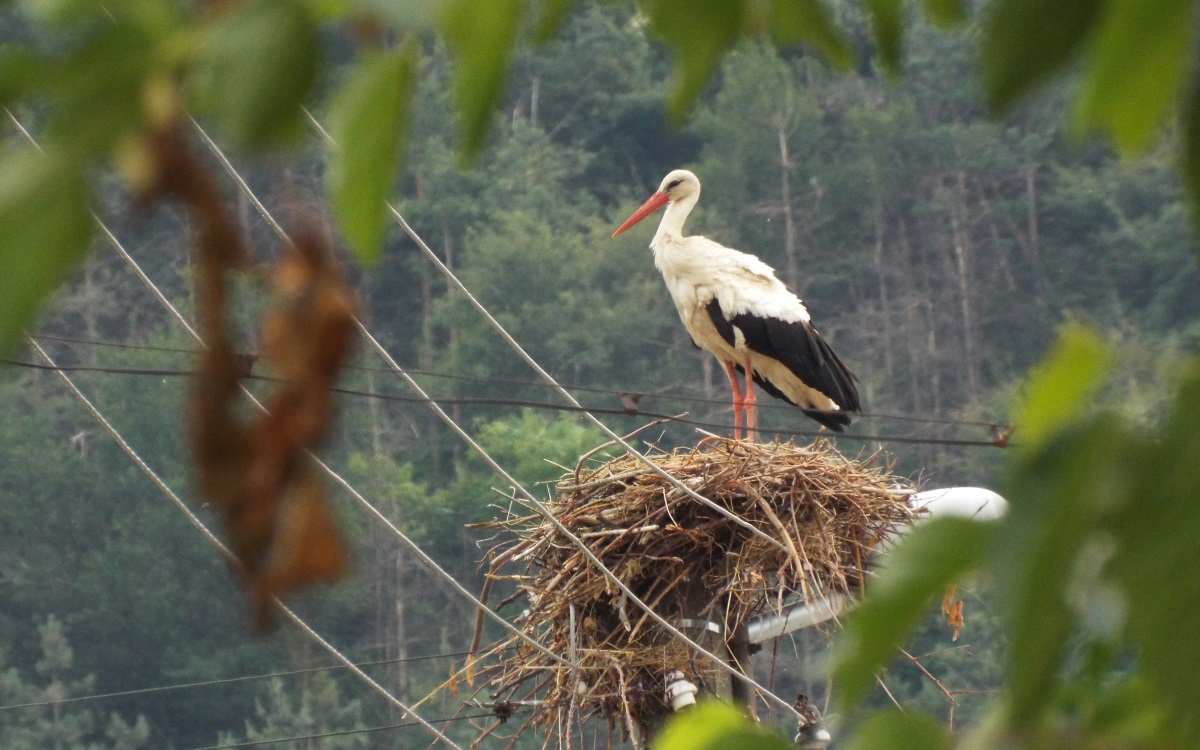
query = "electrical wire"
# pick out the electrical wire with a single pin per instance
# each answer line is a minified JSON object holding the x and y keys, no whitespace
{"x":416,"y":549}
{"x":486,"y":457}
{"x":225,"y":681}
{"x":537,"y":504}
{"x":562,"y":391}
{"x":212,"y":538}
{"x":483,"y":454}
{"x":421,"y":555}
{"x":483,"y":401}
{"x":617,"y":392}
{"x":342,"y":732}
{"x":516,"y":347}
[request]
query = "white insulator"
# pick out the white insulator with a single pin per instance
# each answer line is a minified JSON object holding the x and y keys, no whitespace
{"x":681,"y":693}
{"x":813,"y":738}
{"x":961,"y":502}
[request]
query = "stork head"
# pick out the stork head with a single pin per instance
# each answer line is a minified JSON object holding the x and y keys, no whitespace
{"x":676,"y":186}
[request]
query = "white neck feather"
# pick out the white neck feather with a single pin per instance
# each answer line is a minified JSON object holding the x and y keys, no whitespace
{"x":676,"y":214}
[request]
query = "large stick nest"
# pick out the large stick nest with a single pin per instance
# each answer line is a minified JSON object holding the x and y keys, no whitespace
{"x":819,"y":515}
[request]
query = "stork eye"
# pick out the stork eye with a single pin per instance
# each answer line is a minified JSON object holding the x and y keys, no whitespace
{"x":673,"y":184}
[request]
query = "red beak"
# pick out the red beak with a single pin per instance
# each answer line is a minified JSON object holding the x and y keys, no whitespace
{"x":652,"y":204}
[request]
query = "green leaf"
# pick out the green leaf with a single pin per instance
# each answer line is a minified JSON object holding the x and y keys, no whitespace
{"x":1060,"y":388}
{"x":481,"y":36}
{"x":898,"y":731}
{"x":1156,"y":560}
{"x":1047,"y":548}
{"x":20,"y":73}
{"x":403,"y":15}
{"x":1189,"y":156}
{"x":59,"y":12}
{"x":99,"y":88}
{"x":1127,"y":708}
{"x":915,"y":572}
{"x":887,"y":25}
{"x":45,"y":227}
{"x":1137,"y":68}
{"x":807,"y":21}
{"x":946,"y":13}
{"x":699,"y":32}
{"x":368,"y":120}
{"x":256,"y":70}
{"x":1025,"y":41}
{"x":716,"y":726}
{"x":550,"y":19}
{"x":119,"y":12}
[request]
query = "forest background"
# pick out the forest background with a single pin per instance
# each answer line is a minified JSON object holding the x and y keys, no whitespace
{"x":939,"y":251}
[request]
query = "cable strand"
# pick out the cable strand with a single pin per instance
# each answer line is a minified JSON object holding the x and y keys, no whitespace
{"x":480,"y":401}
{"x":212,"y":538}
{"x":666,"y":395}
{"x":337,"y":478}
{"x":339,"y":733}
{"x":223,"y":681}
{"x":537,"y":504}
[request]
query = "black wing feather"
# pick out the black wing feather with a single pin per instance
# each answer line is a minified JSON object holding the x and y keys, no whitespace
{"x":802,"y":350}
{"x":837,"y":421}
{"x":722,"y":324}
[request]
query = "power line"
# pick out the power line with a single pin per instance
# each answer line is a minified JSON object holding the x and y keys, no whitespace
{"x":415,"y":548}
{"x":112,"y":344}
{"x":341,"y":733}
{"x":257,"y":743}
{"x":195,"y":520}
{"x":680,"y":397}
{"x":110,"y":370}
{"x":421,"y":555}
{"x":487,"y":458}
{"x":541,"y":508}
{"x":484,"y":401}
{"x":495,"y":466}
{"x":226,"y":681}
{"x":212,"y":538}
{"x":537,"y":504}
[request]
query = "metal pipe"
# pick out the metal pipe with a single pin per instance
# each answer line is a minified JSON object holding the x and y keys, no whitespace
{"x":802,"y":615}
{"x":962,"y":502}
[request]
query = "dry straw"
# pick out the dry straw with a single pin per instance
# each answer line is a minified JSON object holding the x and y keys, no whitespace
{"x":686,"y":560}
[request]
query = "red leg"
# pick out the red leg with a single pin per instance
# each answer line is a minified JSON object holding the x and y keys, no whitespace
{"x":751,"y":401}
{"x":738,"y":402}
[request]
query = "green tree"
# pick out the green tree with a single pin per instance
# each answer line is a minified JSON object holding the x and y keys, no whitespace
{"x":90,"y":540}
{"x":51,"y":723}
{"x":315,"y":708}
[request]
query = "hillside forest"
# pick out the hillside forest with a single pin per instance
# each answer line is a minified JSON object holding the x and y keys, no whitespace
{"x":939,"y":251}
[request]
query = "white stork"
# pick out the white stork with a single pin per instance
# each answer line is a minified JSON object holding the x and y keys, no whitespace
{"x":733,"y":306}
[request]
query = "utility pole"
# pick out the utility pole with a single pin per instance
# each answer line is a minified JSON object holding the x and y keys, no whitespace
{"x":738,"y":648}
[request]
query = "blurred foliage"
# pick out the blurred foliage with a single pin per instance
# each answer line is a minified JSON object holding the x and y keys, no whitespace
{"x":370,"y":113}
{"x":715,"y":726}
{"x":1090,"y":556}
{"x":882,"y":185}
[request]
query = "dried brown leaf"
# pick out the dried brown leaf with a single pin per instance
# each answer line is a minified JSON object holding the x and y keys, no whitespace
{"x":257,"y":473}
